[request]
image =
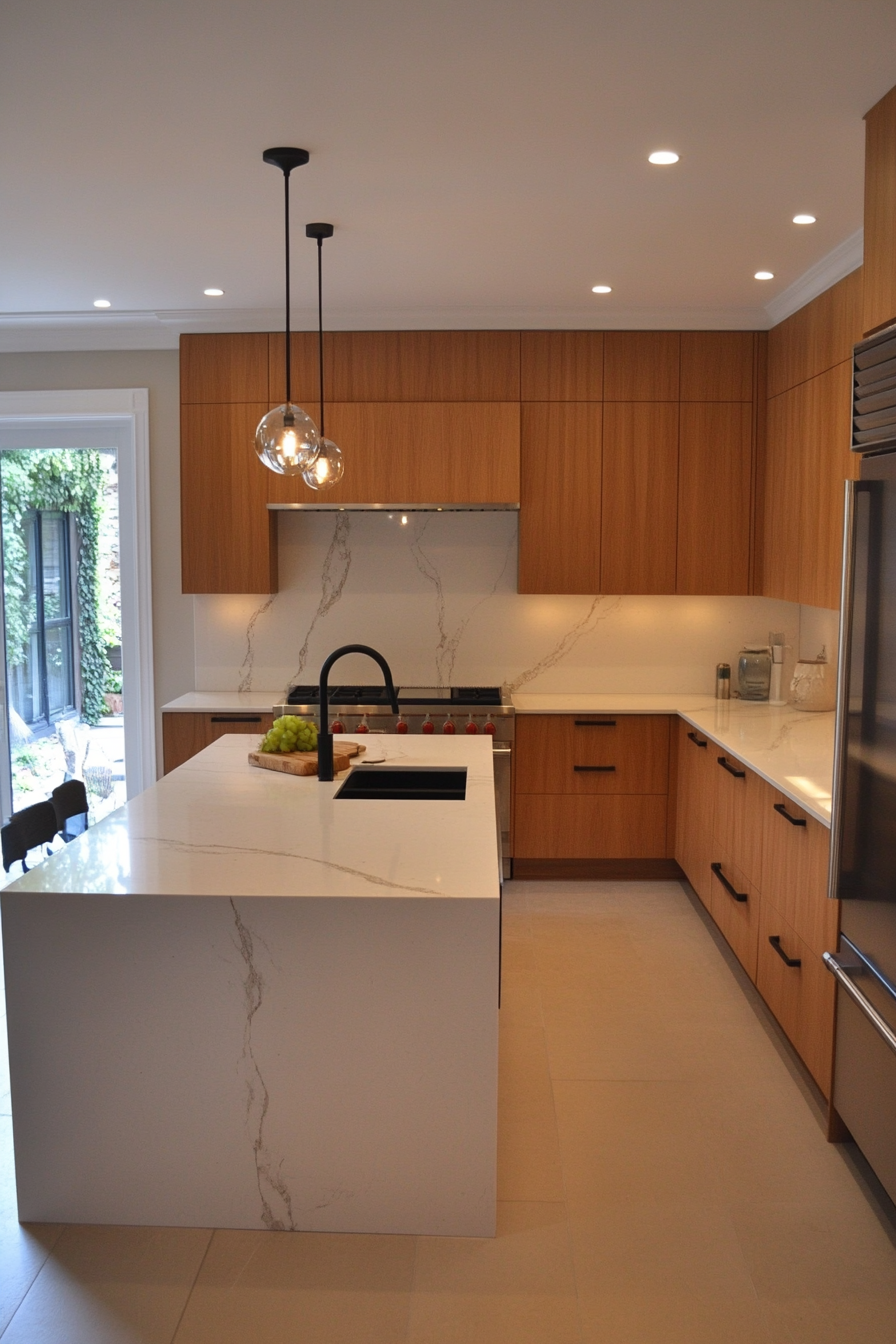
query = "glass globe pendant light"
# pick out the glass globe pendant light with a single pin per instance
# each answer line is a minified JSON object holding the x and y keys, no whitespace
{"x":286,"y":439}
{"x":327,"y":467}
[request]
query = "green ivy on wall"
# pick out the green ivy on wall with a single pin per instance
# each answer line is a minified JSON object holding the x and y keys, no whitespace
{"x":67,"y":481}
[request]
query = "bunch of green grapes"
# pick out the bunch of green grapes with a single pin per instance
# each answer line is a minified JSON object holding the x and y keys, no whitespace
{"x":290,"y":733}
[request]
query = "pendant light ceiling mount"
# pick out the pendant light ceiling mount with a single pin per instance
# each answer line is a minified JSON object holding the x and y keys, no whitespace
{"x":286,"y":158}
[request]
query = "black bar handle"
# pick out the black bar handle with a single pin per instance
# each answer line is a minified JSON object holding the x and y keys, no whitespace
{"x":696,"y":741}
{"x":735,"y":895}
{"x":775,"y":941}
{"x":595,"y":723}
{"x":236,"y":718}
{"x":738,"y":774}
{"x":603,"y":769}
{"x":794,"y":821}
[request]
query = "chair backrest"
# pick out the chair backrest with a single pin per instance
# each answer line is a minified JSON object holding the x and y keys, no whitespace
{"x":33,"y":826}
{"x":70,"y":800}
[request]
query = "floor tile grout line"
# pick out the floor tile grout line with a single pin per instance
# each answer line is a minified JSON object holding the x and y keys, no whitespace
{"x":180,"y":1319}
{"x":41,"y":1268}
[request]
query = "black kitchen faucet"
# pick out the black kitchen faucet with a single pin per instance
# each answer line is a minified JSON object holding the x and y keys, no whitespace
{"x":324,"y":736}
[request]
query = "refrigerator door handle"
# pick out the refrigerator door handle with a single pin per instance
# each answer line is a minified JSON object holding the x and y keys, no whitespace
{"x":839,"y":966}
{"x":842,"y":703}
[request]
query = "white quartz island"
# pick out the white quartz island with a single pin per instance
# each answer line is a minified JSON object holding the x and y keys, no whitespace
{"x":241,"y":1002}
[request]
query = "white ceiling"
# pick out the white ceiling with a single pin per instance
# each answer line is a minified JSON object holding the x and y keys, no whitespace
{"x":484,"y":161}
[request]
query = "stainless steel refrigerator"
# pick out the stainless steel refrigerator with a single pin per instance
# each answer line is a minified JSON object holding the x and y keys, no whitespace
{"x":863,"y":836}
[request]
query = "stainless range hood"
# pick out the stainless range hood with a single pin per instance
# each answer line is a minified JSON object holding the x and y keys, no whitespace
{"x":394,"y":508}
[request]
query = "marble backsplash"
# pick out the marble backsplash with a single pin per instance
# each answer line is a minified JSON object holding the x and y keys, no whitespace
{"x":435,"y":593}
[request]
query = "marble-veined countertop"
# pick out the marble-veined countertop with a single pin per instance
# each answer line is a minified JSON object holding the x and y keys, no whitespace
{"x":217,"y":826}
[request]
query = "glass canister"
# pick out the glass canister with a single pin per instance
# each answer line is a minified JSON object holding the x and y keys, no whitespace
{"x":754,"y":671}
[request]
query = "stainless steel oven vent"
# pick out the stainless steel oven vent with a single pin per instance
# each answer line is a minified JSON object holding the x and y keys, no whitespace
{"x":874,"y":393}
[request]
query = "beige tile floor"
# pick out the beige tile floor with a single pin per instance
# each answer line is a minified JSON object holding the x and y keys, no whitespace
{"x":663,"y":1179}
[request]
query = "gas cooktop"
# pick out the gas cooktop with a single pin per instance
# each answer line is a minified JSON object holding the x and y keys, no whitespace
{"x":470,"y":696}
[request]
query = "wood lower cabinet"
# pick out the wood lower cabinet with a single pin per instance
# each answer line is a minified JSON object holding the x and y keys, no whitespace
{"x":795,"y":853}
{"x":740,"y":795}
{"x":735,"y":907}
{"x":694,"y":808}
{"x":792,"y":979}
{"x":591,"y":786}
{"x":183,"y":735}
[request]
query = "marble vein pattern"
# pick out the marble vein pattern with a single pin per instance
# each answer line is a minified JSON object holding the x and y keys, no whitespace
{"x":449,"y":641}
{"x":248,"y":663}
{"x":337,"y":563}
{"x":601,"y":609}
{"x":276,"y":1200}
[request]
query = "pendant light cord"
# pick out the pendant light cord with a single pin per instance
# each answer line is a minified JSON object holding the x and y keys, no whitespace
{"x":320,"y":328}
{"x":288,"y":340}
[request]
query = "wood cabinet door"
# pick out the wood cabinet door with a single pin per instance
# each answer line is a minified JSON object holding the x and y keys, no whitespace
{"x":780,"y":540}
{"x":183,"y":735}
{"x":642,"y":365}
{"x":419,"y":453}
{"x":694,"y":811}
{"x":562,"y":366}
{"x":560,"y":493}
{"x":228,"y":537}
{"x":800,"y":996}
{"x":795,"y":853}
{"x":715,"y":475}
{"x":880,"y":213}
{"x":717,"y":365}
{"x":561,"y":826}
{"x":735,"y":908}
{"x":639,"y":506}
{"x":826,"y":462}
{"x":224,"y":368}
{"x":740,"y":797}
{"x":592,"y":753}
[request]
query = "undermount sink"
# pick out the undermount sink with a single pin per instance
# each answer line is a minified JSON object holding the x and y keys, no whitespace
{"x":406,"y":781}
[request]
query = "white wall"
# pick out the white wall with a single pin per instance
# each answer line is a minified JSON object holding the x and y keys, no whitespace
{"x":437,"y":597}
{"x":156,"y":370}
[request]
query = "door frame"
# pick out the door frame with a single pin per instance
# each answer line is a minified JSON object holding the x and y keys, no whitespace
{"x":102,"y":418}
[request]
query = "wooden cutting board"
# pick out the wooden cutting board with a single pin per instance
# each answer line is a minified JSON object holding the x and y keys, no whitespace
{"x":304,"y":762}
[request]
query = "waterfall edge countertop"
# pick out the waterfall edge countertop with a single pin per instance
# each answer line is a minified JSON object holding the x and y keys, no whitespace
{"x":220,"y":827}
{"x":791,"y":749}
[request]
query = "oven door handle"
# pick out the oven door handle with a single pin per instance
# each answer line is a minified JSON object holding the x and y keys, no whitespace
{"x":879,"y":1023}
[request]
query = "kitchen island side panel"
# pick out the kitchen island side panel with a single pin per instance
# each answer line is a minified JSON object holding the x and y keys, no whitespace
{"x":302,"y":1064}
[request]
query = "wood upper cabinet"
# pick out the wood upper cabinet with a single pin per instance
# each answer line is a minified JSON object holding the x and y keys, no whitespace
{"x":386,"y":366}
{"x":715,"y":477}
{"x":641,"y":365}
{"x":639,"y":513}
{"x":817,"y":336}
{"x":418,"y":453}
{"x":826,"y":462}
{"x":560,"y":497}
{"x":224,"y":368}
{"x":779,"y":562}
{"x":880,"y":214}
{"x":717,"y":365}
{"x":228,"y":538}
{"x":562,"y":366}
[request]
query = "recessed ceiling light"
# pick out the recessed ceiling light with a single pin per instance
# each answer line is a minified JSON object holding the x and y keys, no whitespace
{"x":102,"y":303}
{"x":663,"y":156}
{"x":804,"y":219}
{"x":213,"y":293}
{"x":601,"y":289}
{"x":764,"y":275}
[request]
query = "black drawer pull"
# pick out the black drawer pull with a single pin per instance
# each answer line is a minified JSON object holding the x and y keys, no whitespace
{"x":236,"y":718}
{"x":788,"y":961}
{"x":696,"y":741}
{"x":599,"y":769}
{"x":794,"y":821}
{"x":738,"y":774}
{"x":595,"y":723}
{"x":732,"y":892}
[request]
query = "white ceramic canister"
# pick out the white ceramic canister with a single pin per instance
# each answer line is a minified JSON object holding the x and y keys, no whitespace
{"x":813,"y":685}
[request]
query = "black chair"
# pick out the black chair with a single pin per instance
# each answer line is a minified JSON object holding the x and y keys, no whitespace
{"x":25,"y":830}
{"x":70,"y":806}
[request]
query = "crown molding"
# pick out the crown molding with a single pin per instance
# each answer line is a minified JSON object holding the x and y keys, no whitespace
{"x":840,"y":261}
{"x":161,"y":329}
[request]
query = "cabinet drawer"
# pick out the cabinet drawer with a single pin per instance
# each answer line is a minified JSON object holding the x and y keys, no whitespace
{"x":735,"y":908}
{"x":740,"y":795}
{"x":183,"y":735}
{"x":693,"y":822}
{"x":795,"y":851}
{"x":560,"y":826}
{"x":800,"y":996}
{"x":592,"y":754}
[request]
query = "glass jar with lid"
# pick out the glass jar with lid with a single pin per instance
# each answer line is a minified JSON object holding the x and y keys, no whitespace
{"x":754,"y":671}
